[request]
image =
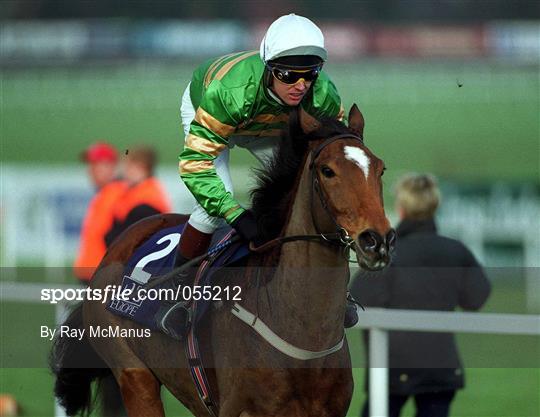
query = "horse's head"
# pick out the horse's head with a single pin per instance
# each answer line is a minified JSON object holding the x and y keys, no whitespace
{"x":347,"y":177}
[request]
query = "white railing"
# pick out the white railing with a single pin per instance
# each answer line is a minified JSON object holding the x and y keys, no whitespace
{"x":376,"y":320}
{"x":379,"y":321}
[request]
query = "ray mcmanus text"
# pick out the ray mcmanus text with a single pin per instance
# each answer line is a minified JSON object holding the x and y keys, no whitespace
{"x":92,"y":331}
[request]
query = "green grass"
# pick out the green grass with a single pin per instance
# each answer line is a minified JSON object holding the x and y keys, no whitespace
{"x":489,"y":393}
{"x":417,"y":118}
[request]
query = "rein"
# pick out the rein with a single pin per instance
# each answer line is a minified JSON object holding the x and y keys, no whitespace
{"x":330,"y":238}
{"x":340,"y":238}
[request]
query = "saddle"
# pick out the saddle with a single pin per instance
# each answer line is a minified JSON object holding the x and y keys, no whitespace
{"x":139,"y":301}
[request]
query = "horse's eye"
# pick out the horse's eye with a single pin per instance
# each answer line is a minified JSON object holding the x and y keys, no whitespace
{"x":327,"y":172}
{"x":382,"y":172}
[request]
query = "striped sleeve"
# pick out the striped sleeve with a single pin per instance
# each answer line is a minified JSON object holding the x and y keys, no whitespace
{"x":215,"y":121}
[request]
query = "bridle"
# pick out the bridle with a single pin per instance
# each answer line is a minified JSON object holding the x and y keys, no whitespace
{"x":344,"y":238}
{"x":340,"y":237}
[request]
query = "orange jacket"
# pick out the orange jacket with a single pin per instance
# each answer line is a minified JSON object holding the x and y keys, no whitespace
{"x":141,"y":200}
{"x":148,"y":192}
{"x":97,"y":222}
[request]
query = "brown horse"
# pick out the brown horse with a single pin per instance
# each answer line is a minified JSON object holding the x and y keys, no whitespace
{"x":325,"y":184}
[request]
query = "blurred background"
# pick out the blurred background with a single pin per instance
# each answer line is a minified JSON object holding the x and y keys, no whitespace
{"x":449,"y":87}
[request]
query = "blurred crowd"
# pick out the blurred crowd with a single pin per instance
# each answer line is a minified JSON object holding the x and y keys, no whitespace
{"x":126,"y":192}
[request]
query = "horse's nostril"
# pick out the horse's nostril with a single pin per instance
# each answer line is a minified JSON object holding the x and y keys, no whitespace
{"x":369,"y":240}
{"x":391,"y":239}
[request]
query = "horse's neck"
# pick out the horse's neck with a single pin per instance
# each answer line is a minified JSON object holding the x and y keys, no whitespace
{"x":310,"y":285}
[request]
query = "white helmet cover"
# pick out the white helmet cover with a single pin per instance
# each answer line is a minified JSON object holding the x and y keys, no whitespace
{"x":292,"y":35}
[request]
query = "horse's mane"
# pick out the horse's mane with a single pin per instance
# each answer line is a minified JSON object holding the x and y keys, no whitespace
{"x":277,"y":181}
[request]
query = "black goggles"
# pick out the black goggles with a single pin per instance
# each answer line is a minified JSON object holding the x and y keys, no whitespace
{"x":292,"y":76}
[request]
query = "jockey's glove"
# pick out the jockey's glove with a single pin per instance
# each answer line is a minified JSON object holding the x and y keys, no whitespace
{"x":246,"y":226}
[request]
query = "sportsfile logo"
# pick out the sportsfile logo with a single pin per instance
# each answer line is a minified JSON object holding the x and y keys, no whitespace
{"x":130,"y":291}
{"x":56,"y":295}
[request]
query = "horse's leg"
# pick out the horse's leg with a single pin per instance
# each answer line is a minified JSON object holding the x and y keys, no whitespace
{"x":138,"y":385}
{"x":140,"y":392}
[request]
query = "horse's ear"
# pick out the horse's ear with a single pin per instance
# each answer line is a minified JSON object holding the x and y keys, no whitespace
{"x":295,"y":128}
{"x":356,"y":121}
{"x":301,"y":123}
{"x":308,"y":123}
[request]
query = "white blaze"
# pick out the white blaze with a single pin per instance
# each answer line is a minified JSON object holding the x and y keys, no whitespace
{"x":359,"y":157}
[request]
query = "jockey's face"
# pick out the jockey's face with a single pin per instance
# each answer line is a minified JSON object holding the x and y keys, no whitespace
{"x":291,"y":94}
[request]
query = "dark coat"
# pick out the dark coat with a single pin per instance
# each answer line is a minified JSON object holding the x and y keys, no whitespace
{"x":429,"y":272}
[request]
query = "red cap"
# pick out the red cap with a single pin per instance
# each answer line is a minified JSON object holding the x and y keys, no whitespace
{"x":99,"y":152}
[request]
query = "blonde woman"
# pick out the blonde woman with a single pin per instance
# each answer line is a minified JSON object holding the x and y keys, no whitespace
{"x":430,"y":272}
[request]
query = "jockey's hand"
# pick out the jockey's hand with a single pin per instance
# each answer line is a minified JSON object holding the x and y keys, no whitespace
{"x":246,"y":226}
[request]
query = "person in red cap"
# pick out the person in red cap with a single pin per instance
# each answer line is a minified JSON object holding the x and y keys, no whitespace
{"x":102,"y":163}
{"x":102,"y":160}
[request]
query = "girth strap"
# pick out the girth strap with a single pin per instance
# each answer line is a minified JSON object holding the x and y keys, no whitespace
{"x":277,"y":342}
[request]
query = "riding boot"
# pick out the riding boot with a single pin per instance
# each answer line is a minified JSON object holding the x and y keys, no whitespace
{"x":173,"y":317}
{"x":193,"y":243}
{"x":351,"y":312}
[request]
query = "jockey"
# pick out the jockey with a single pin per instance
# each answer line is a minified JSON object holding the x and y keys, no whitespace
{"x":244,"y":99}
